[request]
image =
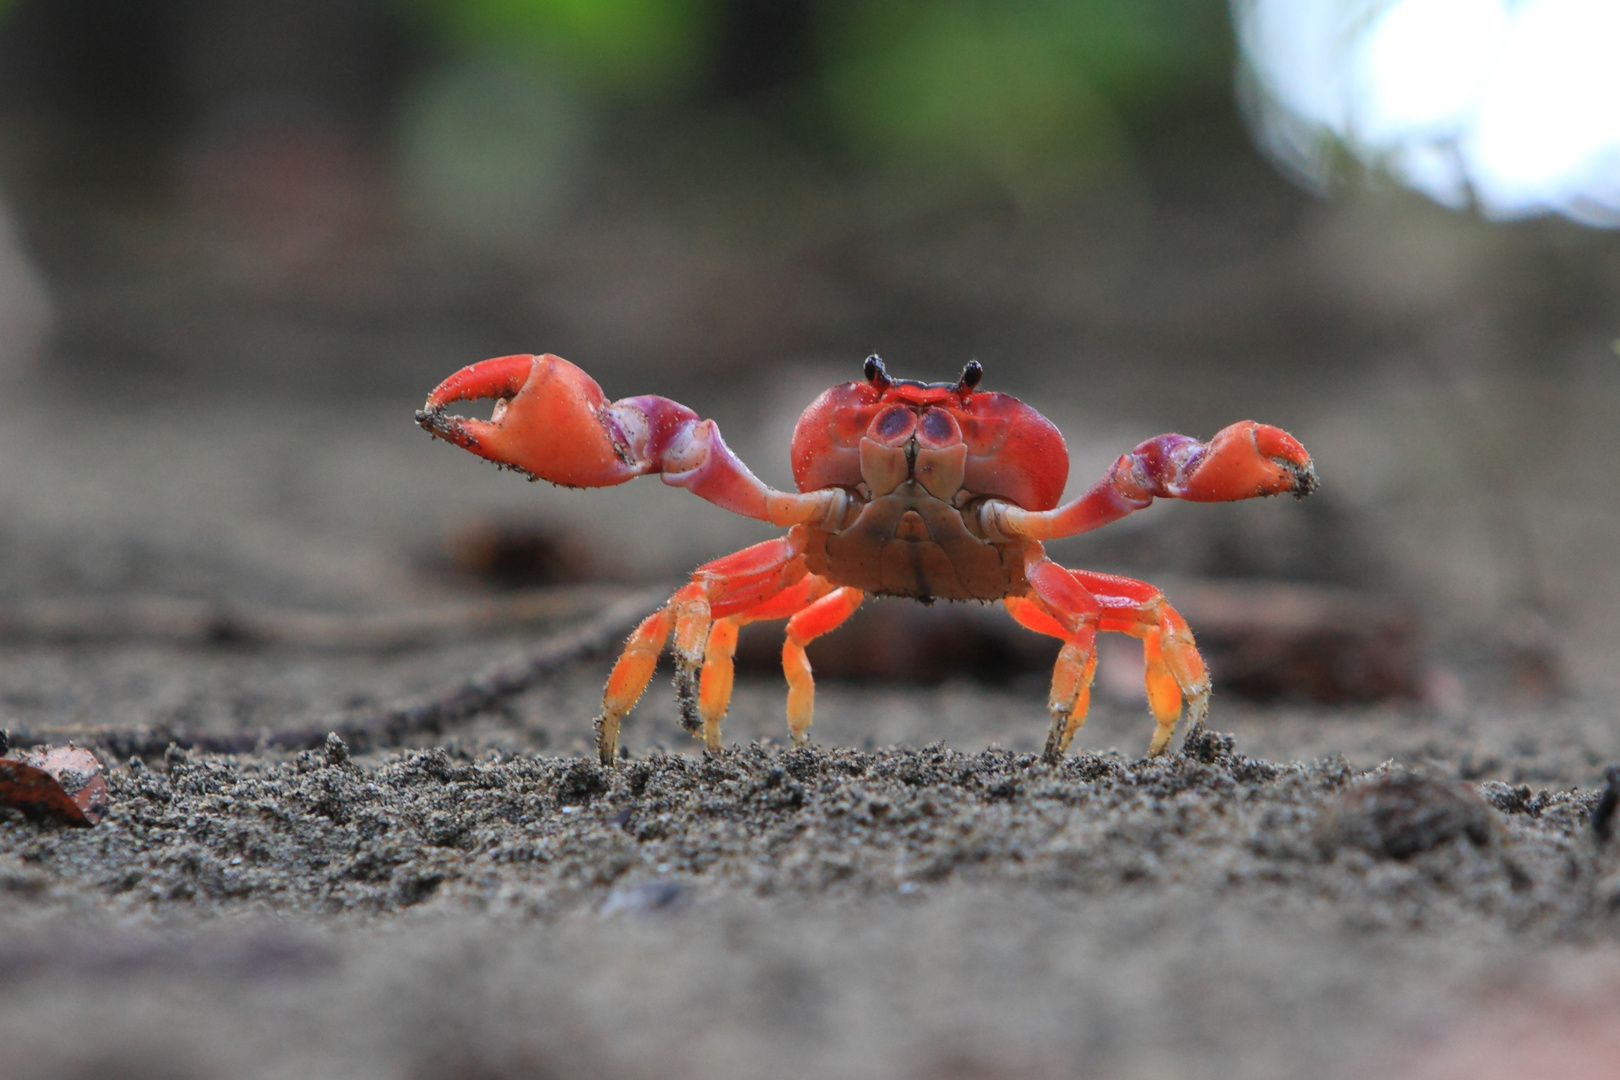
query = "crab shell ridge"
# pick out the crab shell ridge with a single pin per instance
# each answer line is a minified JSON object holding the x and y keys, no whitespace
{"x":1013,"y":452}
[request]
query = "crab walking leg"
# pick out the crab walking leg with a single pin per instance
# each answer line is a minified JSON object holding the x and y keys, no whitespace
{"x":553,"y":422}
{"x":1032,"y":615}
{"x":725,"y":587}
{"x":820,"y":617}
{"x":631,"y":673}
{"x":1243,"y":461}
{"x":1164,"y":695}
{"x":1082,"y":706}
{"x":1072,"y":608}
{"x":720,"y":588}
{"x":1174,"y":669}
{"x":1173,"y":666}
{"x":716,"y":678}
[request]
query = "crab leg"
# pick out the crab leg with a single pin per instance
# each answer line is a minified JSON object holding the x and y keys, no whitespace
{"x":716,"y":678}
{"x":1174,"y":667}
{"x":718,"y":589}
{"x":1069,"y":609}
{"x":631,"y":674}
{"x":820,"y":617}
{"x":1034,"y":615}
{"x":553,"y":422}
{"x":1242,"y":461}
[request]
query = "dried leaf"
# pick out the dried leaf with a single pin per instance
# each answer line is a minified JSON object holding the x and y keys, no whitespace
{"x":63,"y":782}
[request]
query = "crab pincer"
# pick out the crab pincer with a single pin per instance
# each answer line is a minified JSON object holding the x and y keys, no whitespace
{"x":551,"y":420}
{"x":1244,"y":460}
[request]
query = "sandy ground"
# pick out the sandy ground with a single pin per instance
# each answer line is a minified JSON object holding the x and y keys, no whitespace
{"x":837,"y":912}
{"x":1329,"y":892}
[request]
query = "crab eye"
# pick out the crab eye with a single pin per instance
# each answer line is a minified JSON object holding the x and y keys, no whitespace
{"x":876,"y":373}
{"x":970,"y":376}
{"x":893,"y":425}
{"x":938,"y":428}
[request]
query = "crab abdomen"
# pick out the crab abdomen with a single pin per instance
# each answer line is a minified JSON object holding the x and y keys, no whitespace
{"x":909,"y":543}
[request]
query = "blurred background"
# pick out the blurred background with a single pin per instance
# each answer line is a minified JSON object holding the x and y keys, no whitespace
{"x":239,"y":242}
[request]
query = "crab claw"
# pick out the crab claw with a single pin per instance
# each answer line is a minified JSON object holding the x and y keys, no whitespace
{"x":551,"y":421}
{"x":1245,"y":460}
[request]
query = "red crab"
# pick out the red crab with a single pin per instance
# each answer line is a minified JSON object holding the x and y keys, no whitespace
{"x":927,"y":490}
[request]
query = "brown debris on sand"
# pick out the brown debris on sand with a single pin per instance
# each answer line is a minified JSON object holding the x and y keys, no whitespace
{"x":60,"y":782}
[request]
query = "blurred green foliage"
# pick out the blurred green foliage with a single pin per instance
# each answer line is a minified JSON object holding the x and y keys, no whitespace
{"x":919,"y":60}
{"x":1028,"y":95}
{"x":1003,"y":86}
{"x":1133,"y":53}
{"x":959,"y":84}
{"x":485,"y":147}
{"x":605,"y":46}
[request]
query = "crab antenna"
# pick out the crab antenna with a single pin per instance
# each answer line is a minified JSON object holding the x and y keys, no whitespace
{"x":876,"y":373}
{"x":970,"y":376}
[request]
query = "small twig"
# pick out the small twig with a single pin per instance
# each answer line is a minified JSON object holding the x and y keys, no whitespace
{"x":383,"y":727}
{"x":200,"y":622}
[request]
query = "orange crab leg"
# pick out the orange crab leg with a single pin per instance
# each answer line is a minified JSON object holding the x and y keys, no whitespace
{"x":718,"y":674}
{"x":553,"y":422}
{"x":1243,"y":461}
{"x":724,"y":587}
{"x":631,"y":674}
{"x":1174,"y":667}
{"x":820,"y":617}
{"x":1128,"y":606}
{"x":1032,"y":615}
{"x":1062,"y":604}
